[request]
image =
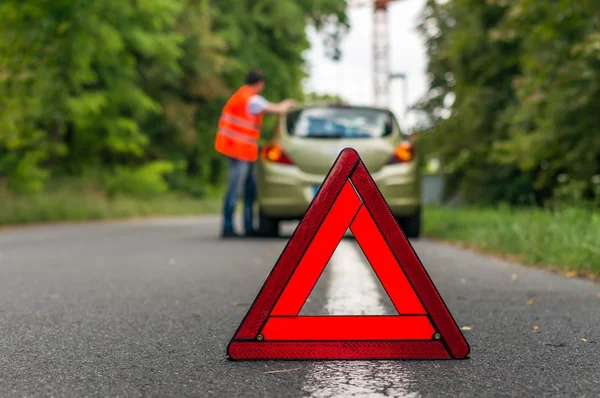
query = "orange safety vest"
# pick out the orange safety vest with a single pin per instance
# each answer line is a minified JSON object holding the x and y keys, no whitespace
{"x":239,"y":130}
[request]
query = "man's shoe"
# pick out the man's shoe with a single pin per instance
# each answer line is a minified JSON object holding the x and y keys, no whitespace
{"x":229,"y":234}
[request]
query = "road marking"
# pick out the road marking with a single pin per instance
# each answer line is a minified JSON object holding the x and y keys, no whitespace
{"x":353,"y":290}
{"x":282,"y":371}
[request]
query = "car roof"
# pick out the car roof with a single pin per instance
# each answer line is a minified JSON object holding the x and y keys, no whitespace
{"x":341,"y":105}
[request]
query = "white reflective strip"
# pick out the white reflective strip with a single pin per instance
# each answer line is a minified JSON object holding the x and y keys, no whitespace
{"x":234,"y":119}
{"x":237,"y":136}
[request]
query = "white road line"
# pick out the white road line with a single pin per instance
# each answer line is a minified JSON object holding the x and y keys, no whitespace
{"x":353,"y":290}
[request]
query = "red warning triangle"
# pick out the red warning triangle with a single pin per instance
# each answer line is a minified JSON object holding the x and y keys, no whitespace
{"x":424,"y":328}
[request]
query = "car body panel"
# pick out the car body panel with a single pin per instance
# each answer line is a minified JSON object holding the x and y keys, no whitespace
{"x":316,"y":156}
{"x":285,"y":191}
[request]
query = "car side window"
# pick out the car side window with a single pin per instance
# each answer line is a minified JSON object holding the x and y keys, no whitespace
{"x":291,"y":120}
{"x":389,"y":125}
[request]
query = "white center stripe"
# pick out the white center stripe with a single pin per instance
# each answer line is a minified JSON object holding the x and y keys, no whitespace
{"x":353,"y":290}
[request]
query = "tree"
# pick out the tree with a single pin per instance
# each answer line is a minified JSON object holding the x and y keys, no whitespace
{"x":470,"y":93}
{"x":512,"y":96}
{"x":326,"y":98}
{"x":554,"y":133}
{"x":103,"y":85}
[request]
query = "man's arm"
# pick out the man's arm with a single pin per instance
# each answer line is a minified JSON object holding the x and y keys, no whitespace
{"x":258,"y":104}
{"x":281,"y":107}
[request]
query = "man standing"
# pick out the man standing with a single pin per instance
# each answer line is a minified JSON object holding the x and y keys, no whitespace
{"x":237,"y":139}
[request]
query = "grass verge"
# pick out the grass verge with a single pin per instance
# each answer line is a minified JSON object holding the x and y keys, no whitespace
{"x":88,"y":206}
{"x":566,"y":240}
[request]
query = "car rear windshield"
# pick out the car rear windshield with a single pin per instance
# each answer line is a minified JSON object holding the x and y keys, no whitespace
{"x":333,"y":122}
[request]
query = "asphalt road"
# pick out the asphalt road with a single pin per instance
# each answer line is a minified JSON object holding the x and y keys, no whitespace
{"x":147,"y":309}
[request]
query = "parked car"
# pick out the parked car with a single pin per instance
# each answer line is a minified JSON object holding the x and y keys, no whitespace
{"x":307,"y":142}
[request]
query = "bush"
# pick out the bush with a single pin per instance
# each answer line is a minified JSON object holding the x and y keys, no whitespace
{"x":143,"y":181}
{"x":193,"y":186}
{"x":28,"y":177}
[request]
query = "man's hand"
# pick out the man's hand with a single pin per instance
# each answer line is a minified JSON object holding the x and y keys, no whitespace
{"x":282,"y":107}
{"x":290,"y":103}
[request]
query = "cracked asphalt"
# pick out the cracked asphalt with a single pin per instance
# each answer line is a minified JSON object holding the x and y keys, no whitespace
{"x":147,"y":308}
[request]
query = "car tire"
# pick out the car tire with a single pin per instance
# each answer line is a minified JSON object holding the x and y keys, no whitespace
{"x":411,"y":225}
{"x":268,"y":226}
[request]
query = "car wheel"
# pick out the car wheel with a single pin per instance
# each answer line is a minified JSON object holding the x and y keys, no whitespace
{"x":268,"y":226}
{"x":411,"y":225}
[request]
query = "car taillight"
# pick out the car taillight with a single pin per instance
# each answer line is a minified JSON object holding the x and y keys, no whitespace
{"x":274,"y":153}
{"x":404,"y":153}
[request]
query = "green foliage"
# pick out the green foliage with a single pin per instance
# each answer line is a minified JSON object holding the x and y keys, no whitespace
{"x":564,"y":239}
{"x":513,"y":97}
{"x":28,"y":176}
{"x":322,"y":98}
{"x":62,"y":204}
{"x":179,"y":180}
{"x":143,"y":181}
{"x":103,"y":84}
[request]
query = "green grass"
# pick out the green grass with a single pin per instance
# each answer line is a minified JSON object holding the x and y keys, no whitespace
{"x":567,"y":239}
{"x":88,"y":204}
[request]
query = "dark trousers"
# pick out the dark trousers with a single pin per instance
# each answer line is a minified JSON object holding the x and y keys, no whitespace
{"x":242,"y":174}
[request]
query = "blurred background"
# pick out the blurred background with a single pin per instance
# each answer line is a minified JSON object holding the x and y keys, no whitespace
{"x":109,"y":108}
